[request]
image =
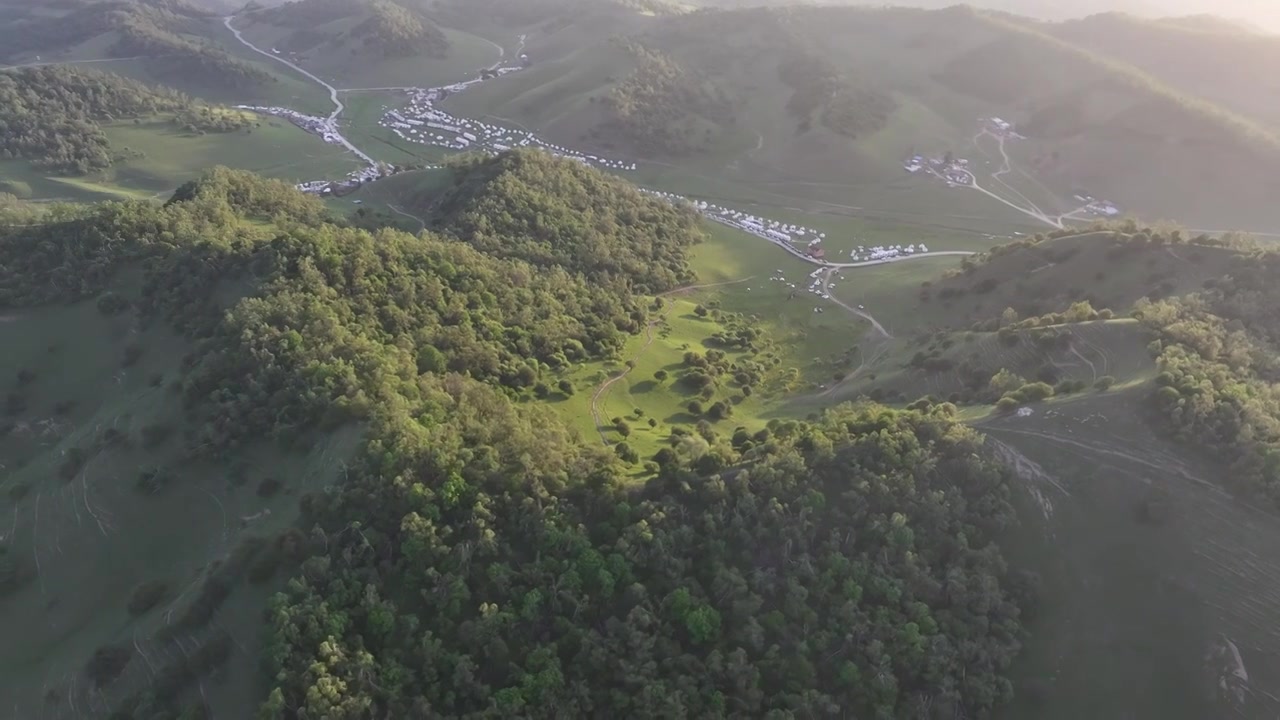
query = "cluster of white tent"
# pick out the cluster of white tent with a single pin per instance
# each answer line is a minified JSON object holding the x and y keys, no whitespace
{"x":561,"y":151}
{"x":365,"y":174}
{"x":784,"y":235}
{"x":771,"y":229}
{"x":312,"y":124}
{"x":421,"y":121}
{"x":885,"y":252}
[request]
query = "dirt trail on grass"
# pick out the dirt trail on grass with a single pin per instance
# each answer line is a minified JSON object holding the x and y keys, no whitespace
{"x":1153,"y":563}
{"x":826,"y":291}
{"x":866,"y":364}
{"x":603,"y":389}
{"x":411,"y":216}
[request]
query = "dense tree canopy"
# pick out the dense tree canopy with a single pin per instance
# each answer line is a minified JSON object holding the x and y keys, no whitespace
{"x":477,"y":559}
{"x":846,"y":567}
{"x":552,"y":213}
{"x":52,"y":114}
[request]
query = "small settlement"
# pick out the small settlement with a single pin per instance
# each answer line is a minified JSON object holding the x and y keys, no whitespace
{"x":422,"y":121}
{"x":1100,"y":208}
{"x":798,"y":240}
{"x":955,"y":171}
{"x":312,"y":124}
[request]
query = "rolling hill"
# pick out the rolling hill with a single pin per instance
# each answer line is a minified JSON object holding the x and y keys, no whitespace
{"x":1200,"y":57}
{"x":162,"y":505}
{"x":369,"y":43}
{"x":841,"y":95}
{"x":171,"y":29}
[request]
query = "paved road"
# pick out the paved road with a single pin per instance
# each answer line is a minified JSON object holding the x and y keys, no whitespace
{"x":338,"y":107}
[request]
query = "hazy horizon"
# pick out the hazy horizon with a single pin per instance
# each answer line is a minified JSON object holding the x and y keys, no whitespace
{"x":1258,"y":14}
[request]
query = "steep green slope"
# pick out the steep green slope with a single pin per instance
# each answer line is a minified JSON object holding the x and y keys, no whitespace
{"x":530,"y":206}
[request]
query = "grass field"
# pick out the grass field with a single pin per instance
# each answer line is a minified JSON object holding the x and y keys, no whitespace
{"x":1145,"y":564}
{"x":171,"y":156}
{"x":277,"y":149}
{"x":75,"y":510}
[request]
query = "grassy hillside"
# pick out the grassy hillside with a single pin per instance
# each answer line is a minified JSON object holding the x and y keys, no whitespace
{"x":176,"y":31}
{"x":1207,"y":60}
{"x":53,"y":115}
{"x":372,"y":43}
{"x":833,"y":99}
{"x":1109,"y":269}
{"x":156,"y":157}
{"x":1052,"y":310}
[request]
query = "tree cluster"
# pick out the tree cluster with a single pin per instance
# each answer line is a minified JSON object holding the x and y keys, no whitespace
{"x":661,"y":107}
{"x":1217,"y":355}
{"x":530,"y":206}
{"x":52,"y":115}
{"x":819,"y":90}
{"x":849,"y":566}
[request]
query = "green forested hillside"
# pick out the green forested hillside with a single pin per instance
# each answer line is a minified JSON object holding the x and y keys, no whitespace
{"x":843,"y":566}
{"x":529,"y":206}
{"x":51,"y":115}
{"x":853,"y":559}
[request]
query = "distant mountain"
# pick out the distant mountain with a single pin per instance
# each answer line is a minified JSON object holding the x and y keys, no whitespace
{"x":1261,"y":14}
{"x":840,"y":95}
{"x":378,"y":27}
{"x":1201,"y":56}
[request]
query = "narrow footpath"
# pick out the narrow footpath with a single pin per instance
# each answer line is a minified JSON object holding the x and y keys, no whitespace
{"x":602,"y":390}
